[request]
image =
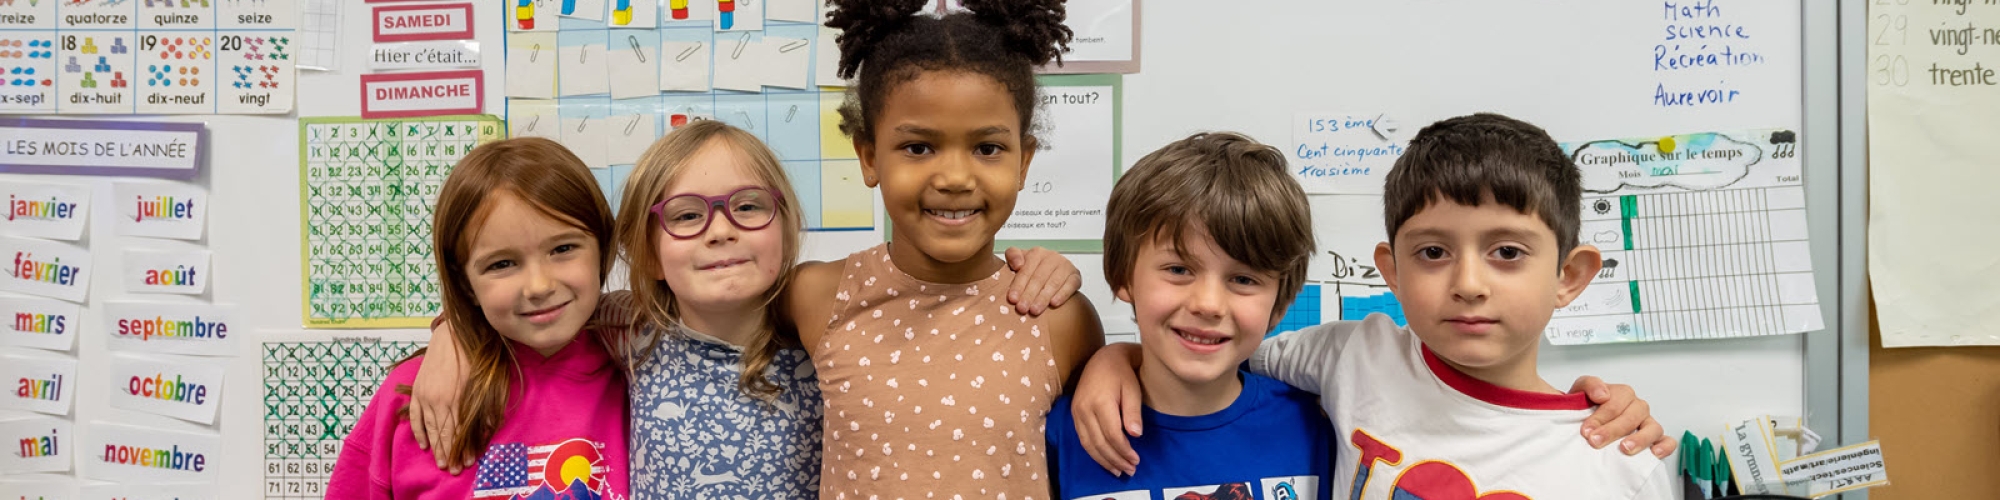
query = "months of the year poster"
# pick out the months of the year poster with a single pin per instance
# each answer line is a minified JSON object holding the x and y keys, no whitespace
{"x":147,"y":56}
{"x":314,"y":393}
{"x":368,"y":192}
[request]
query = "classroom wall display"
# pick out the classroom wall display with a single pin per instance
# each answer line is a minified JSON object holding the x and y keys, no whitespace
{"x":159,"y":210}
{"x":182,"y":388}
{"x":39,"y":323}
{"x":1078,"y":157}
{"x":606,"y":91}
{"x":169,"y":328}
{"x":366,"y":188}
{"x":42,"y":444}
{"x":131,"y":57}
{"x":43,"y":210}
{"x":314,"y":392}
{"x":181,"y":272}
{"x":42,"y":385}
{"x":1931,"y":101}
{"x":106,"y":148}
{"x":1703,"y":236}
{"x":148,"y":492}
{"x":45,"y":268}
{"x":123,"y":453}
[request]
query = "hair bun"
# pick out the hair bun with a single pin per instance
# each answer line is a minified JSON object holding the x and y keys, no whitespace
{"x":863,"y":24}
{"x":1032,"y":28}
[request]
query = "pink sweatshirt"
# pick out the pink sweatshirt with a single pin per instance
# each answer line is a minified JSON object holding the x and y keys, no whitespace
{"x":563,"y":437}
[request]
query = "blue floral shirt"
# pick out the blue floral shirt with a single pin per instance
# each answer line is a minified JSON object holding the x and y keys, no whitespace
{"x":695,"y":434}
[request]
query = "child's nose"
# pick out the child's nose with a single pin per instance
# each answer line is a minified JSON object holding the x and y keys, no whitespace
{"x":1206,"y":299}
{"x":541,"y":282}
{"x":953,"y":174}
{"x":1469,"y":281}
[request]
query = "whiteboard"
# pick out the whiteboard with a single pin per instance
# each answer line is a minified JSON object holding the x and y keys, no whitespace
{"x":1581,"y":69}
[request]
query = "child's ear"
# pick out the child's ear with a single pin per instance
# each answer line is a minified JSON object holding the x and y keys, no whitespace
{"x":866,"y":151}
{"x":1385,"y":261}
{"x":1577,"y":270}
{"x":1123,"y":293}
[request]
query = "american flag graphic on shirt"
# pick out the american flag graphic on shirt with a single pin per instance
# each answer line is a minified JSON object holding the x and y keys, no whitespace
{"x":516,"y":470}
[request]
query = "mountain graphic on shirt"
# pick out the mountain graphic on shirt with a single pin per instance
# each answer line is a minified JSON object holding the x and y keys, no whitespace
{"x":576,"y":491}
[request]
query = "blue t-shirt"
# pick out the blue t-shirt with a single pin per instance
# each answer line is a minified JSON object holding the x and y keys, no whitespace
{"x":1272,"y":443}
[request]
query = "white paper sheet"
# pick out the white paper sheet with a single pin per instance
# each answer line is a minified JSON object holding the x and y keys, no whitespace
{"x":189,"y":457}
{"x":40,"y":323}
{"x":159,"y":210}
{"x":583,"y":70}
{"x":635,"y":67}
{"x":54,"y":445}
{"x":178,"y":272}
{"x":531,"y":65}
{"x":684,"y":66}
{"x":1931,"y":220}
{"x":170,"y":328}
{"x":42,"y":210}
{"x":44,"y":384}
{"x":185,"y":390}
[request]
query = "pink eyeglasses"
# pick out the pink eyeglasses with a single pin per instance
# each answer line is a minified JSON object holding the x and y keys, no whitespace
{"x":686,"y":216}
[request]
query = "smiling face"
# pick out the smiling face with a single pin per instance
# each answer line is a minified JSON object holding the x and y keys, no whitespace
{"x":1479,"y":283}
{"x":534,"y":277}
{"x":950,"y":159}
{"x":1200,"y":314}
{"x":726,"y":268}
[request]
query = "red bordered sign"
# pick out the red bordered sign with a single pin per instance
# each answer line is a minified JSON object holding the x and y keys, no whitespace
{"x":408,"y":23}
{"x":401,"y":95}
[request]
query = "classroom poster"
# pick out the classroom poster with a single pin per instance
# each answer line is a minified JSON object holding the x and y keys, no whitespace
{"x":366,"y":189}
{"x":1703,"y":235}
{"x":131,"y":57}
{"x":1078,"y":135}
{"x":1932,"y":96}
{"x":314,"y":392}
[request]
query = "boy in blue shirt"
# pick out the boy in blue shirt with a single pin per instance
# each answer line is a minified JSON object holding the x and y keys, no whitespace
{"x":1208,"y":238}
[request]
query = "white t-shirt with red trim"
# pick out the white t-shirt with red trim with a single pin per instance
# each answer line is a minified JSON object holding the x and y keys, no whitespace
{"x":1413,"y":427}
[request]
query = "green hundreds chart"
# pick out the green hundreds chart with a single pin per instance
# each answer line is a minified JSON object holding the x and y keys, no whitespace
{"x":314,"y":393}
{"x":368,"y":188}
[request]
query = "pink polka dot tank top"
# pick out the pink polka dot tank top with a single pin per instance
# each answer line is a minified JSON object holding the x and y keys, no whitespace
{"x":932,"y":390}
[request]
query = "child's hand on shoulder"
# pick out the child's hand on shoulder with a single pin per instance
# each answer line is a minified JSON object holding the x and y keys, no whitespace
{"x":1044,"y":279}
{"x":1106,"y":406}
{"x":1620,"y":412}
{"x":434,"y":400}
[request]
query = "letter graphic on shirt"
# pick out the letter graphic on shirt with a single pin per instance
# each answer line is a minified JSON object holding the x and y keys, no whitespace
{"x":1371,"y":450}
{"x":1435,"y":480}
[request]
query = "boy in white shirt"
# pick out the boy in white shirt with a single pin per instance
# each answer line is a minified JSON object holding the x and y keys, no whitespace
{"x":1482,"y":214}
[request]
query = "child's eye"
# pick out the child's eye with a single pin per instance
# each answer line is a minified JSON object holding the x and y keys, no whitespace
{"x":565,"y":248}
{"x":1244,"y":280}
{"x":1510,"y":253}
{"x":917,"y":149}
{"x":499,"y":265}
{"x":988,"y":149}
{"x":1179,"y":270}
{"x":1431,"y":253}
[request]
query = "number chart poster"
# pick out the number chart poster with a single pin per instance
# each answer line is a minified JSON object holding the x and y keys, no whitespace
{"x":368,"y":188}
{"x":314,"y":393}
{"x":147,"y":57}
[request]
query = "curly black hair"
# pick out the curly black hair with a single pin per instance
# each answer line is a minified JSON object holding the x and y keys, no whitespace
{"x":883,"y":43}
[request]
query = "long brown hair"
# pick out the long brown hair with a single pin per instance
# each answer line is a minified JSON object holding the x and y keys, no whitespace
{"x":547,"y":177}
{"x":661,"y":165}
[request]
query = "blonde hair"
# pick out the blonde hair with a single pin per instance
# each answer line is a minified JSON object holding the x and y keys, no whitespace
{"x":553,"y":181}
{"x":660,"y":166}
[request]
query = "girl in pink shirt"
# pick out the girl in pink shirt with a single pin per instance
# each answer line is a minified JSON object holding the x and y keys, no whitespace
{"x":522,"y":247}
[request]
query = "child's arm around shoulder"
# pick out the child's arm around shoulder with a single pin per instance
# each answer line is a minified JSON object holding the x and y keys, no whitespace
{"x":1074,"y":335}
{"x":1305,"y":358}
{"x":808,"y":301}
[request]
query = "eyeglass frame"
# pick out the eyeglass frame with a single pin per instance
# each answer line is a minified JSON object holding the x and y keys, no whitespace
{"x":714,"y":202}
